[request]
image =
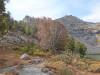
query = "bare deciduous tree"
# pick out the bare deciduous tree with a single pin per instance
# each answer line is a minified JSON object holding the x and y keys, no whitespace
{"x":51,"y":34}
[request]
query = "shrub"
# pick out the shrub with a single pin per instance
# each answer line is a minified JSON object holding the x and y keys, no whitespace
{"x":67,"y":58}
{"x":75,"y":47}
{"x":82,"y":65}
{"x":81,"y":49}
{"x":56,"y":65}
{"x":65,"y":71}
{"x":23,"y":49}
{"x":33,"y":49}
{"x":70,"y":45}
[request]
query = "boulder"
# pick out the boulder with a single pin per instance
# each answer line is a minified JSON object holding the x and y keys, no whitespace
{"x":51,"y":73}
{"x":25,"y":57}
{"x":48,"y":70}
{"x":45,"y":70}
{"x":37,"y":60}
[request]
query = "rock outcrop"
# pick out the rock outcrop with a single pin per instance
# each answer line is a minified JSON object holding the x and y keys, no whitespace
{"x":13,"y":39}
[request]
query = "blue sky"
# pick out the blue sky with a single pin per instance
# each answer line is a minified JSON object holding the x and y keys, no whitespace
{"x":88,"y":10}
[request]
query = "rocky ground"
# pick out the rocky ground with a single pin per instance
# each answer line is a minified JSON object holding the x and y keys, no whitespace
{"x":17,"y":61}
{"x":12,"y":63}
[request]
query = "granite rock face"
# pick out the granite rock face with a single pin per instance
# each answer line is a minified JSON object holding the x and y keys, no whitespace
{"x":12,"y":39}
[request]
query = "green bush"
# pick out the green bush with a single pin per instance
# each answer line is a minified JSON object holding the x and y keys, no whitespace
{"x":70,"y":45}
{"x":75,"y":47}
{"x":81,"y":49}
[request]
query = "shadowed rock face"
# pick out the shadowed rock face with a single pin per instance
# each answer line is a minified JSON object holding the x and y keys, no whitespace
{"x":79,"y":30}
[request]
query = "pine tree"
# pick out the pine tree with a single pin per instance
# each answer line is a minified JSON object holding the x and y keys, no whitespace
{"x":3,"y":18}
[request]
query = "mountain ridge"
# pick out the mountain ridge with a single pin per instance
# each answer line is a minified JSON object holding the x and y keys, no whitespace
{"x":81,"y":30}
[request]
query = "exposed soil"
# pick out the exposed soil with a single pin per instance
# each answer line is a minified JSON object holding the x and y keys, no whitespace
{"x":8,"y":58}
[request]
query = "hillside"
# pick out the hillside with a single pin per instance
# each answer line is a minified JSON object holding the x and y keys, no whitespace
{"x":46,"y":46}
{"x":79,"y":29}
{"x":82,"y":31}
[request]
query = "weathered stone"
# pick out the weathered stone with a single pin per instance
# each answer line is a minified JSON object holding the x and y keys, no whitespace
{"x":45,"y":70}
{"x":50,"y":72}
{"x":37,"y":60}
{"x":25,"y":57}
{"x":14,"y":39}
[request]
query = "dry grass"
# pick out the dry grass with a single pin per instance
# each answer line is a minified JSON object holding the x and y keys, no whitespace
{"x":58,"y":65}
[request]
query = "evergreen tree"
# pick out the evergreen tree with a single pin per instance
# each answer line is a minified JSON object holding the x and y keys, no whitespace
{"x":3,"y":18}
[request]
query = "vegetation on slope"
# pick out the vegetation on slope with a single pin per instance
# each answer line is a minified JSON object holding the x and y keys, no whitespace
{"x":51,"y":40}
